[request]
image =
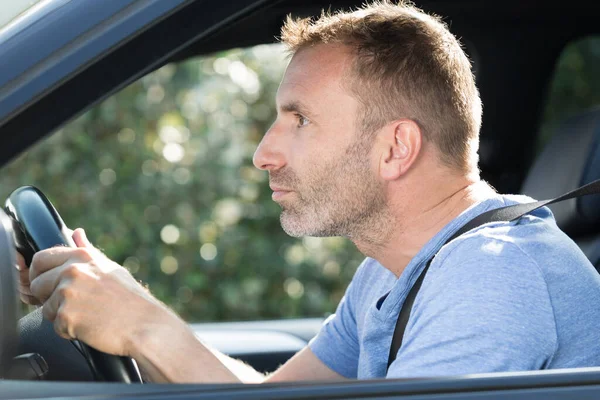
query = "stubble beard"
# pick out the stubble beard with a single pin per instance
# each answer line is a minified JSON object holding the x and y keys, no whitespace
{"x":340,"y":198}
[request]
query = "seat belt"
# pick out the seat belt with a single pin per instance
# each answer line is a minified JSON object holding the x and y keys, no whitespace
{"x":508,"y":213}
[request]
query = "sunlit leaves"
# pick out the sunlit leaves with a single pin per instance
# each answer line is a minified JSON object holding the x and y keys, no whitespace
{"x":160,"y":176}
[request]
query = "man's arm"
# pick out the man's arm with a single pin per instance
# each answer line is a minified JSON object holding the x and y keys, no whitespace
{"x":304,"y":366}
{"x":84,"y":294}
{"x":172,"y":353}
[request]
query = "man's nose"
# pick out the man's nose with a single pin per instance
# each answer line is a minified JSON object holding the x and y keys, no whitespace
{"x":269,"y":155}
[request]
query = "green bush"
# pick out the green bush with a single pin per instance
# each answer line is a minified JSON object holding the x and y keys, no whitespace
{"x":161,"y":177}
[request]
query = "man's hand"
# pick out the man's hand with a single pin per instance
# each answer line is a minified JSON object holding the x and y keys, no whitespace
{"x":89,"y":297}
{"x":24,"y":291}
{"x":93,"y":299}
{"x":24,"y":284}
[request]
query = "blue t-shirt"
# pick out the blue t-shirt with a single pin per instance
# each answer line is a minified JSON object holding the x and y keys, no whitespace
{"x":507,"y":296}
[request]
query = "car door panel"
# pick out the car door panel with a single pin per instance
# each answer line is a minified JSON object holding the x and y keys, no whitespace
{"x":265,"y":345}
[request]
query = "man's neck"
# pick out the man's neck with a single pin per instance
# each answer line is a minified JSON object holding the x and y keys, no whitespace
{"x":415,"y":223}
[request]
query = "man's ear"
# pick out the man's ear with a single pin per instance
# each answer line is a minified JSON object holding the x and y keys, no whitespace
{"x":401,"y":146}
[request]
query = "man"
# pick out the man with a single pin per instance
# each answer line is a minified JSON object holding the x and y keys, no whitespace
{"x":376,"y":140}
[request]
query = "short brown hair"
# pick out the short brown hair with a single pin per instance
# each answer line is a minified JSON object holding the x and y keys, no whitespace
{"x":407,"y":65}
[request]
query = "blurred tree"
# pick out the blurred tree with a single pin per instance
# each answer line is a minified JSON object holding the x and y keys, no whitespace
{"x":574,"y":87}
{"x":161,"y":177}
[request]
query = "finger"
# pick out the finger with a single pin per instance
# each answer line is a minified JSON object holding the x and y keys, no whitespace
{"x":24,"y":290}
{"x":21,"y":265}
{"x":80,"y":238}
{"x":30,"y":300}
{"x":44,"y":285}
{"x":61,"y":325}
{"x":26,"y":296}
{"x":48,"y":259}
{"x":51,"y":306}
{"x":24,"y":277}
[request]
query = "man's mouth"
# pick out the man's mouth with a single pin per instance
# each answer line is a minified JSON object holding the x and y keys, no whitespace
{"x":279,"y":192}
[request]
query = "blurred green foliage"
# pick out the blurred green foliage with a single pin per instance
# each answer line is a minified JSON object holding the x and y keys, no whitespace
{"x":161,"y":177}
{"x":574,"y":87}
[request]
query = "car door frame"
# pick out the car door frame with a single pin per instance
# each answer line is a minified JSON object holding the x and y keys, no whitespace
{"x":82,"y":71}
{"x":93,"y":59}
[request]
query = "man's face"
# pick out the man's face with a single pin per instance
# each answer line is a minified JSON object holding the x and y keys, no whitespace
{"x":320,"y":166}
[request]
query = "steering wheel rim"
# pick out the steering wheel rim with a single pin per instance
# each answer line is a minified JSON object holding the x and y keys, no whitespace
{"x":38,"y":226}
{"x":8,"y":295}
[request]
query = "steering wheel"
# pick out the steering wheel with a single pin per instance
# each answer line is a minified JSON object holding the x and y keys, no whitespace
{"x":38,"y":226}
{"x":8,"y":296}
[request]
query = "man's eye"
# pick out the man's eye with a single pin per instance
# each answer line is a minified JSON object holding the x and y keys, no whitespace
{"x":302,"y":120}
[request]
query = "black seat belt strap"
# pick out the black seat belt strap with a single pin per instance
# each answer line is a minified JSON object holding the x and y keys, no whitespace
{"x":508,"y":213}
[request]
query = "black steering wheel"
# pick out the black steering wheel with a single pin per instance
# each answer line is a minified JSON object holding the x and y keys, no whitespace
{"x":8,"y":296}
{"x":38,"y":226}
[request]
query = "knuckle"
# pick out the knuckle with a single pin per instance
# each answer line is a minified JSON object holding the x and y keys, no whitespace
{"x":66,"y":291}
{"x":24,"y":289}
{"x":64,"y":317}
{"x":36,"y":259}
{"x":83,"y":254}
{"x":33,"y":287}
{"x":36,"y":256}
{"x":72,"y":271}
{"x":26,"y":299}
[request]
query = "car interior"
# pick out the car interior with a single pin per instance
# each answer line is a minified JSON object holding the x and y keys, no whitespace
{"x":571,"y":160}
{"x":515,"y":46}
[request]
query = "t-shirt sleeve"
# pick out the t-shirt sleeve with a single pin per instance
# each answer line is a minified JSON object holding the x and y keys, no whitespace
{"x":336,"y":344}
{"x":484,"y":307}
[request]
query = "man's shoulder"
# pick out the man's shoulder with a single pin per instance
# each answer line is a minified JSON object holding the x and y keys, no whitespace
{"x":486,"y":275}
{"x":535,"y":236}
{"x":489,"y":254}
{"x":530,"y":249}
